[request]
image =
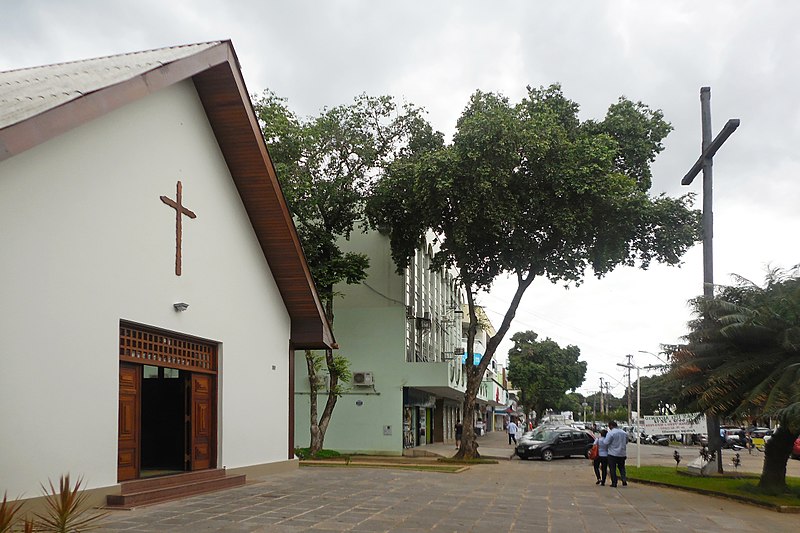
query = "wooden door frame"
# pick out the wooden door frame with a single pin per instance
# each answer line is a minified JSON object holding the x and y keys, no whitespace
{"x":129,"y":422}
{"x":141,"y":345}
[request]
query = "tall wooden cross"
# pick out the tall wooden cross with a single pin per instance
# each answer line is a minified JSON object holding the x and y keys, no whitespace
{"x":179,"y":210}
{"x":705,"y":163}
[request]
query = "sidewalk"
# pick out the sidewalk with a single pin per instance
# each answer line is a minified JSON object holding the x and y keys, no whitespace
{"x":559,"y":496}
{"x":492,"y":445}
{"x":512,"y":495}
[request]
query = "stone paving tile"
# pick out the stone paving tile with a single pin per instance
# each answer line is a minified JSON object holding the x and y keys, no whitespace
{"x":509,"y":496}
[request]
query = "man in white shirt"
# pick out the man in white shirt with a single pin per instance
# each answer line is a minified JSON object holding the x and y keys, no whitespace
{"x":512,"y":432}
{"x":617,"y":442}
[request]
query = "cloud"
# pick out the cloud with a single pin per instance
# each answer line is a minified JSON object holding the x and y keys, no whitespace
{"x":435,"y":54}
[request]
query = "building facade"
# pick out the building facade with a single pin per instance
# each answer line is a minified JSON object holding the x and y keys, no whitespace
{"x":153,"y":287}
{"x":403,"y":335}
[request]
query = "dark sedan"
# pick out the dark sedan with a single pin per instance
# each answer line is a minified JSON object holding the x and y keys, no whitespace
{"x":548,"y":443}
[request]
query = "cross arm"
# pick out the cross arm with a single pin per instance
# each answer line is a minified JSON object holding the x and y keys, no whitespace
{"x":709,"y":152}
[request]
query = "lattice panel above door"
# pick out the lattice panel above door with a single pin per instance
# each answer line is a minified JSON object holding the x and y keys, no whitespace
{"x":150,"y":347}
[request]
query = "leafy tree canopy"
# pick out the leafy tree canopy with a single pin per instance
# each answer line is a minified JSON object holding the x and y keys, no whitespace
{"x":657,"y":391}
{"x":325,"y":165}
{"x":530,"y":190}
{"x":544,"y":372}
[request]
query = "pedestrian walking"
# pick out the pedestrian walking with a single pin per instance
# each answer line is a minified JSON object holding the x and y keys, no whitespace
{"x":617,"y":442}
{"x":600,"y":463}
{"x":512,"y":432}
{"x":459,"y":433}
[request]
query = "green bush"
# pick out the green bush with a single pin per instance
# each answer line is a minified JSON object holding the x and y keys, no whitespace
{"x":305,"y":453}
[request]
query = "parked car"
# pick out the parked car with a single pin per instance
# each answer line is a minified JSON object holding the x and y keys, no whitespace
{"x":732,"y":436}
{"x":796,"y":449}
{"x":760,"y":433}
{"x":547,"y":443}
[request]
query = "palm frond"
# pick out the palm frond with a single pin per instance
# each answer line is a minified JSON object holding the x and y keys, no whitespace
{"x":9,"y":512}
{"x":67,"y":509}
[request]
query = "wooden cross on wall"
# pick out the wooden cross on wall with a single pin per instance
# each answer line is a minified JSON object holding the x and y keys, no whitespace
{"x":179,"y":210}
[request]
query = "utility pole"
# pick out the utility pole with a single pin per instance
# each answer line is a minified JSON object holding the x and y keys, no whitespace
{"x":602,"y":410}
{"x":608,"y":393}
{"x":705,"y":163}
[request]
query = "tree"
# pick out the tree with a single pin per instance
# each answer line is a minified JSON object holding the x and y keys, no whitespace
{"x":325,"y":165}
{"x":529,"y":190}
{"x":544,"y":371}
{"x":657,"y":391}
{"x":742,"y":360}
{"x":572,"y":401}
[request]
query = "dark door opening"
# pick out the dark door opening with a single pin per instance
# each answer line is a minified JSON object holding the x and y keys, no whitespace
{"x":167,"y":403}
{"x":164,"y":420}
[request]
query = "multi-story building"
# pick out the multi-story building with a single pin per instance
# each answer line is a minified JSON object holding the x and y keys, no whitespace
{"x":403,"y":336}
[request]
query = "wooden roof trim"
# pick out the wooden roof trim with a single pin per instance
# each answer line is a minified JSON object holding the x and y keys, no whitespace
{"x":218,"y":64}
{"x":303,"y":333}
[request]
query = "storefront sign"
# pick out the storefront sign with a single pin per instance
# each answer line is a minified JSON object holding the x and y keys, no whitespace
{"x":476,"y":358}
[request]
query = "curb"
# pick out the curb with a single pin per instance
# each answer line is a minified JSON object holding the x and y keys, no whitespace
{"x":791,"y":509}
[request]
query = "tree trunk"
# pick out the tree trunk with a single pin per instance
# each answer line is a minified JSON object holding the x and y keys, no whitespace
{"x":330,"y":403}
{"x":776,"y":455}
{"x":469,"y":445}
{"x":319,"y":424}
{"x":469,"y":441}
{"x":313,"y":387}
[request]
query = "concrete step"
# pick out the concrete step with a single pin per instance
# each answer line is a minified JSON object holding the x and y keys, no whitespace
{"x":160,"y":489}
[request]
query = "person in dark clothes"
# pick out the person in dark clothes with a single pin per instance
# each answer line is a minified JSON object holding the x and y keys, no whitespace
{"x":459,"y":433}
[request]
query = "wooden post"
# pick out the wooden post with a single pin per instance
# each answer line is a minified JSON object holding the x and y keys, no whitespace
{"x":706,"y":162}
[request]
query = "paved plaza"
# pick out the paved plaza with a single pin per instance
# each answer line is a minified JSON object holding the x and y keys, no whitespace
{"x":512,"y":495}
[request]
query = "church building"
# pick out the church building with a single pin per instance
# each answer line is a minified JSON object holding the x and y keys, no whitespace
{"x":153,"y":290}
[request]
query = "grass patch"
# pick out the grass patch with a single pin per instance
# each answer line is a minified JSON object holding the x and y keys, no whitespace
{"x":741,"y":487}
{"x":305,"y":453}
{"x":447,"y":469}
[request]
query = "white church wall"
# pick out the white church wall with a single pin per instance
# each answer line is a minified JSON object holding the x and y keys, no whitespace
{"x":85,"y":242}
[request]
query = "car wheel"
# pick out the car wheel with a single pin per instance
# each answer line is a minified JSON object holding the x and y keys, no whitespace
{"x":586,"y":453}
{"x":547,"y":455}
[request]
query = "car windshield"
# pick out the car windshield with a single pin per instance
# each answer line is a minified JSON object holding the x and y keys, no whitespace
{"x":542,"y":434}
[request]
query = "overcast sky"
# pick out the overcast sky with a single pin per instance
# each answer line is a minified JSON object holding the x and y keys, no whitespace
{"x":435,"y":54}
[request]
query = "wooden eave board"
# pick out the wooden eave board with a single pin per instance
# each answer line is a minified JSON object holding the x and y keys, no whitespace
{"x":221,"y":89}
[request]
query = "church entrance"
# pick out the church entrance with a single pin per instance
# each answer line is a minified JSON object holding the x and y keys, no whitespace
{"x":167,"y":403}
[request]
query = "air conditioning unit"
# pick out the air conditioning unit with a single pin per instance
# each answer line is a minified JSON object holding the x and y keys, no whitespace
{"x":362,"y":379}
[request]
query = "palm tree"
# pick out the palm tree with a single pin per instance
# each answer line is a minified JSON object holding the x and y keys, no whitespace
{"x":742,"y":359}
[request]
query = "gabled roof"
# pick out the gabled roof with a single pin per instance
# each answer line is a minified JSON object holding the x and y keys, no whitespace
{"x":37,"y":104}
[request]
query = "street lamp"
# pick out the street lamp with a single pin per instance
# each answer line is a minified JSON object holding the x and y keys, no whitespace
{"x":665,"y":363}
{"x":631,"y":366}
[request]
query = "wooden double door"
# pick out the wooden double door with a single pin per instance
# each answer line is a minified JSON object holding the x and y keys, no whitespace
{"x":167,"y":420}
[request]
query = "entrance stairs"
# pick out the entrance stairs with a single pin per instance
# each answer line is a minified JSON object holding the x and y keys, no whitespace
{"x":161,"y":489}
